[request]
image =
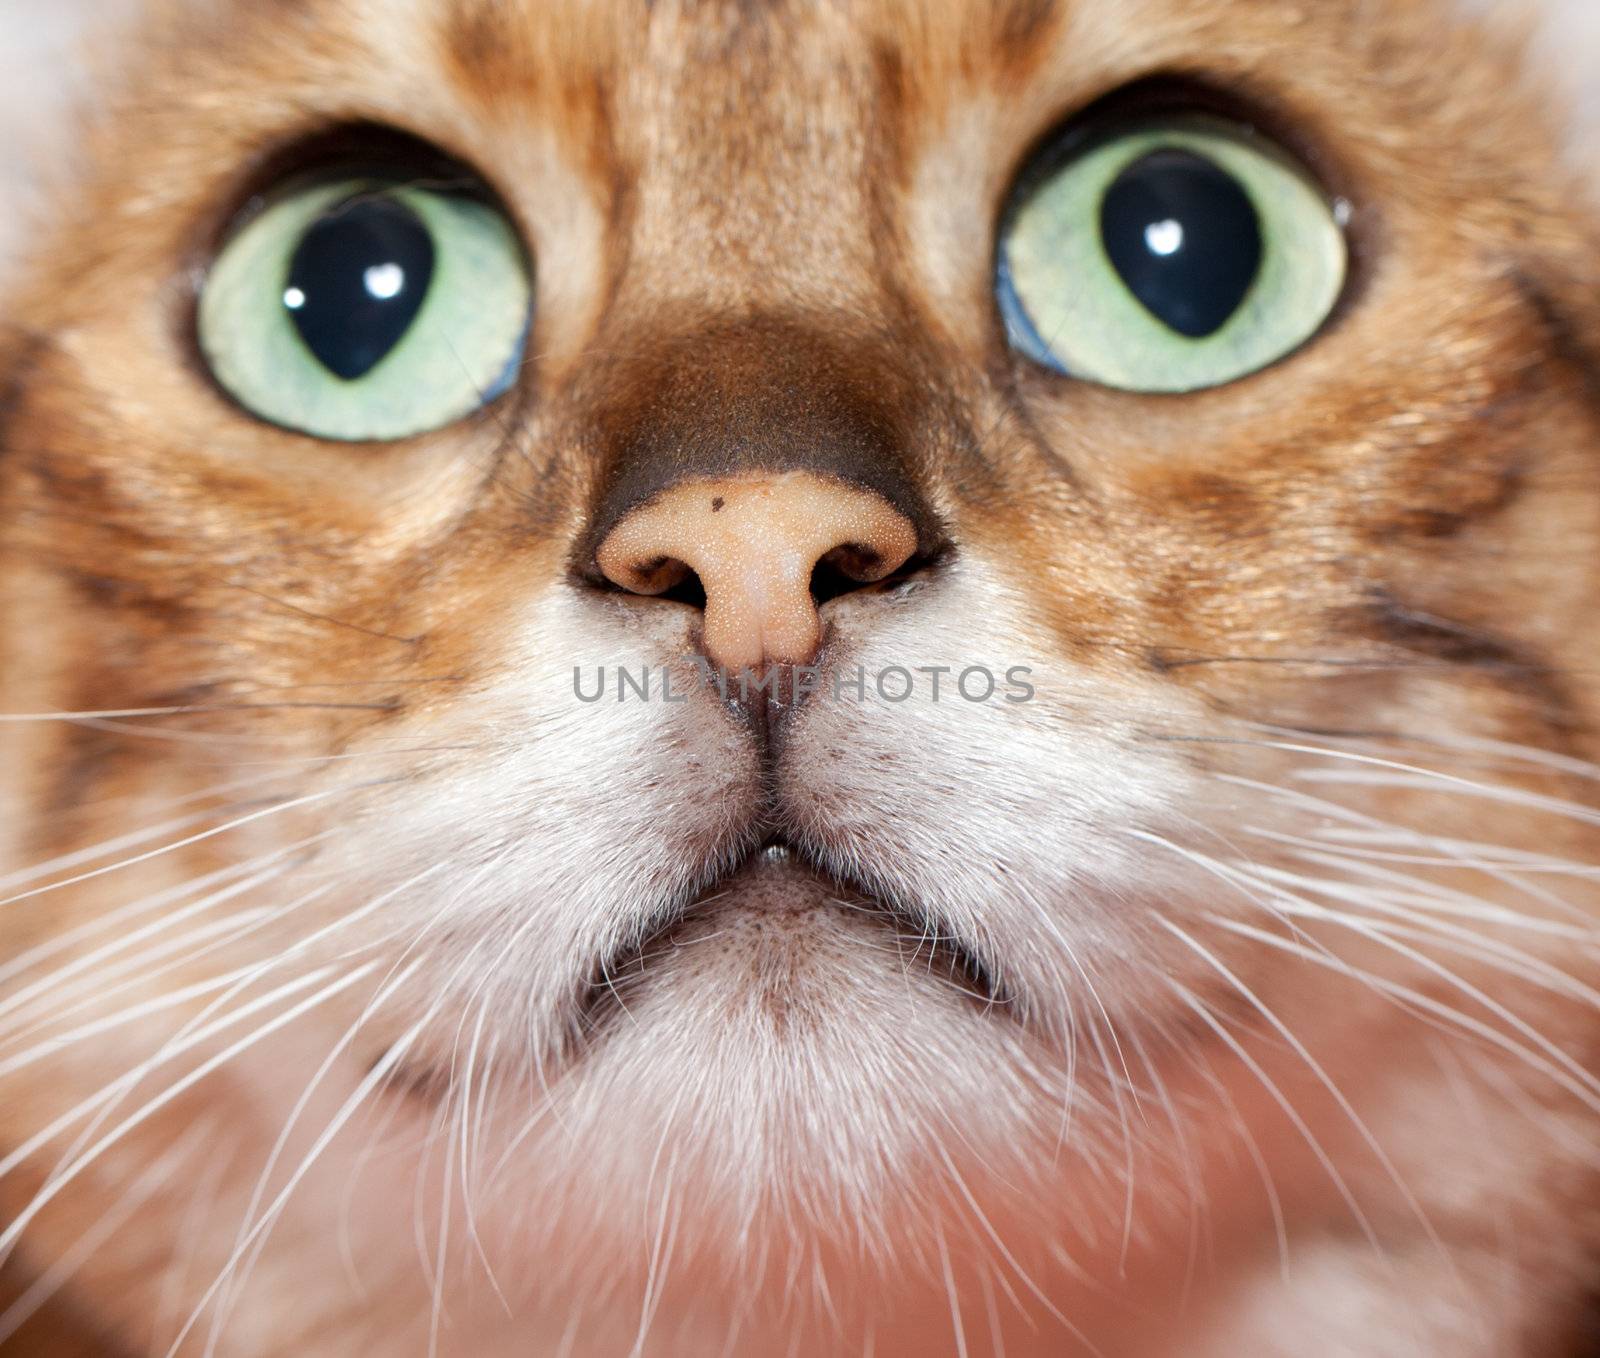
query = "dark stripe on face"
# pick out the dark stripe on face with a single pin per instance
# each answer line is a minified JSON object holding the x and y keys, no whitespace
{"x":1022,"y":25}
{"x":1457,"y":645}
{"x":1566,"y":334}
{"x":18,"y":361}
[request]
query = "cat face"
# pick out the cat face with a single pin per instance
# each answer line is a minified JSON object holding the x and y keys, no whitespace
{"x":411,"y":373}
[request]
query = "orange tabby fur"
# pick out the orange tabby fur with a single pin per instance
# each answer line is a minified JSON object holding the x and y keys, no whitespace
{"x":1382,"y":552}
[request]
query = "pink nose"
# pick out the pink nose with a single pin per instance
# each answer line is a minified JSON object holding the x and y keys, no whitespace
{"x":754,"y":542}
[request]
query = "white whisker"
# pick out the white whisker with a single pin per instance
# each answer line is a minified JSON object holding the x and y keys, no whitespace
{"x":373,"y":1080}
{"x":277,"y":809}
{"x":1296,"y":1119}
{"x":60,"y":1181}
{"x":1319,"y":1073}
{"x":121,"y":1211}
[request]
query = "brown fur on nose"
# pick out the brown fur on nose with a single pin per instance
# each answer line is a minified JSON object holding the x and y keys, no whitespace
{"x":754,"y":542}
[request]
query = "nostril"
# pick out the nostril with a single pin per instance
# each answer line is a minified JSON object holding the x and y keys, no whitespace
{"x":847,"y":570}
{"x":663,"y":578}
{"x":859,"y":561}
{"x":839,"y":573}
{"x":844,"y":570}
{"x":688,"y":590}
{"x":654,"y":575}
{"x":829,"y":582}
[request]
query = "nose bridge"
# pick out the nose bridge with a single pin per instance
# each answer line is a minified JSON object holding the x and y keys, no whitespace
{"x":735,"y":397}
{"x":749,"y":135}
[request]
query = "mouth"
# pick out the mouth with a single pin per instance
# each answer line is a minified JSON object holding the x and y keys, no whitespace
{"x":779,"y":881}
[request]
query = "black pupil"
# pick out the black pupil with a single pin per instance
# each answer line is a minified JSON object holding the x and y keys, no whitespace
{"x":357,"y":281}
{"x":1185,"y":238}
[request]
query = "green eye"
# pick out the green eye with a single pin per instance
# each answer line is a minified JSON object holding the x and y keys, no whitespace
{"x":1169,"y":257}
{"x":367,"y":310}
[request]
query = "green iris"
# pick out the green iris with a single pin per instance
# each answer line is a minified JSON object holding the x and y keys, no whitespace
{"x":1170,"y":256}
{"x":368,"y":310}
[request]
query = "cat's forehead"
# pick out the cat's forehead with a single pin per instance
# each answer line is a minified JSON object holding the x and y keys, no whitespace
{"x":749,"y":55}
{"x":797,"y":88}
{"x":792,"y":93}
{"x":495,"y":31}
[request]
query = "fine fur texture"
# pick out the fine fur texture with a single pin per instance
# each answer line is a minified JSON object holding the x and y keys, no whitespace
{"x":361,"y":992}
